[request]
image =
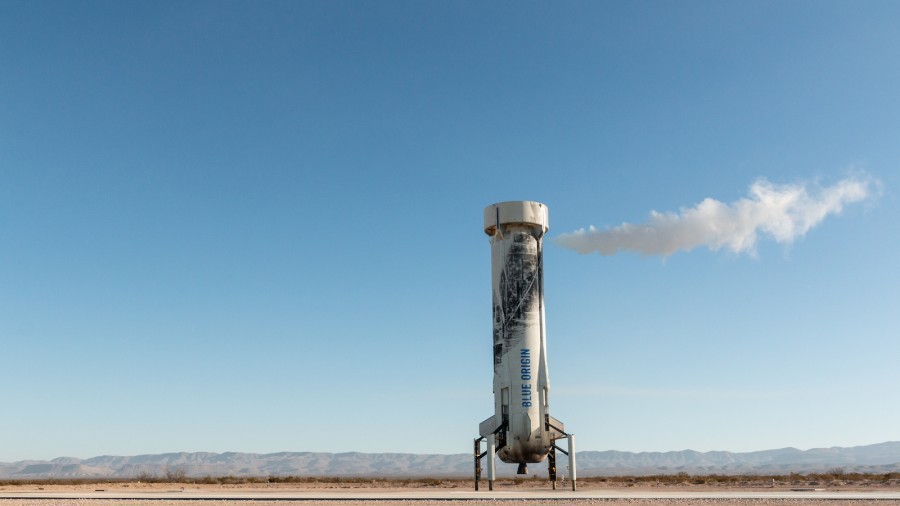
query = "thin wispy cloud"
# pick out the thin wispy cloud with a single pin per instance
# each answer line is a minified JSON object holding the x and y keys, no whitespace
{"x":783,"y":213}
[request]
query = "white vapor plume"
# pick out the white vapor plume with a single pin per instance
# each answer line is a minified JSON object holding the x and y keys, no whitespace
{"x":783,"y":212}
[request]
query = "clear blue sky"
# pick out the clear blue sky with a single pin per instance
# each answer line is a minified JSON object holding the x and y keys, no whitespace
{"x":256,"y":226}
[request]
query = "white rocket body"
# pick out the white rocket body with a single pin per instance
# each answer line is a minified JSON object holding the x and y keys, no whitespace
{"x":521,"y":423}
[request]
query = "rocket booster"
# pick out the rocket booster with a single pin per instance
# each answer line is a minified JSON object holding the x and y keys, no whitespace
{"x":521,"y":423}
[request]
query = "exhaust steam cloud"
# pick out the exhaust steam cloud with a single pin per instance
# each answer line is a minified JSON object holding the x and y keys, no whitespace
{"x":783,"y":212}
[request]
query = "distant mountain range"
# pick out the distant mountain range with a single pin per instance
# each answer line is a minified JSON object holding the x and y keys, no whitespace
{"x":877,"y":458}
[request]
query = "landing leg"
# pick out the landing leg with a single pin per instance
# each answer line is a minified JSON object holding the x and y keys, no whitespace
{"x":551,"y":466}
{"x":572,"y":459}
{"x":477,"y":462}
{"x":491,"y":450}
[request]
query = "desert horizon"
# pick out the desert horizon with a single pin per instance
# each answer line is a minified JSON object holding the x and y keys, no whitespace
{"x":880,"y":458}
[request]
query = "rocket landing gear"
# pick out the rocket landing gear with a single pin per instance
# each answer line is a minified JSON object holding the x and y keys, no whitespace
{"x":551,"y":461}
{"x":491,"y":453}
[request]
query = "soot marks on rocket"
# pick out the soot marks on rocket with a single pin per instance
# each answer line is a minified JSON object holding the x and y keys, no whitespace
{"x":518,"y":293}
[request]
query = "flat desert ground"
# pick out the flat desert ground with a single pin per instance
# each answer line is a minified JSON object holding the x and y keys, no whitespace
{"x":443,"y":492}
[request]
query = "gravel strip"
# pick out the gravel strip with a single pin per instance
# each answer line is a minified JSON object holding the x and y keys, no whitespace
{"x":430,"y":502}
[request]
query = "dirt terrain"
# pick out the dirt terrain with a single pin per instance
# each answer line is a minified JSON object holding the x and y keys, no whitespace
{"x":445,"y":502}
{"x":420,"y":492}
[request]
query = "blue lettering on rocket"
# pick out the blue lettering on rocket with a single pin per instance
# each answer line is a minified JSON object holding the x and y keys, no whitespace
{"x":525,"y":362}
